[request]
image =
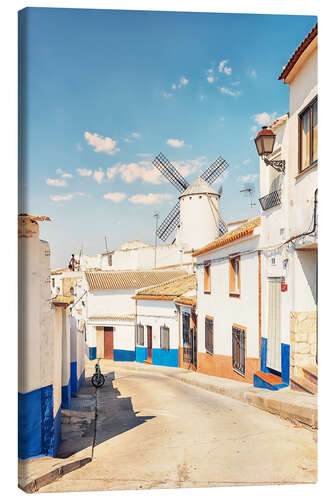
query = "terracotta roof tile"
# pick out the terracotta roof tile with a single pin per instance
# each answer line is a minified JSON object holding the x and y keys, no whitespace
{"x":127,"y":280}
{"x":298,"y":52}
{"x":169,"y":290}
{"x":240,"y":231}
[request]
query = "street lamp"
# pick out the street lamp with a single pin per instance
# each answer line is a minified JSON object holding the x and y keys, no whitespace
{"x":265,"y":144}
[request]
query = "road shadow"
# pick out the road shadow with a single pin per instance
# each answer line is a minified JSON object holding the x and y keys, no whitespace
{"x":115,"y":415}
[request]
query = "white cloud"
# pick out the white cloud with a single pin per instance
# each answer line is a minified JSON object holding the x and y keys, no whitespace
{"x":227,"y":91}
{"x":202,"y":97}
{"x":223,"y":68}
{"x":130,"y":172}
{"x":264,"y":118}
{"x":254,"y":129}
{"x":56,"y":182}
{"x":248,"y":178}
{"x":136,"y":135}
{"x":84,"y":172}
{"x":115,"y":197}
{"x":65,"y":197}
{"x":175,"y":143}
{"x":111,"y":172}
{"x":166,"y":95}
{"x":188,"y":167}
{"x":210,"y":79}
{"x":101,"y":144}
{"x":210,"y":70}
{"x":149,"y":199}
{"x":98,"y":175}
{"x":173,"y":86}
{"x":144,"y":155}
{"x":247,"y":161}
{"x":253,"y":74}
{"x":183,"y":81}
{"x":63,"y":174}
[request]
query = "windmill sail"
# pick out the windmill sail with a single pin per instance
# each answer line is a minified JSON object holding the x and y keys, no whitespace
{"x":215,"y":170}
{"x":170,"y":223}
{"x":170,"y":172}
{"x":223,"y":228}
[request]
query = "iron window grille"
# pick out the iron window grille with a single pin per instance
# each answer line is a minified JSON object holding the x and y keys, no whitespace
{"x":187,"y":348}
{"x":209,"y":334}
{"x":139,"y":335}
{"x":270,"y":200}
{"x":238,"y":349}
{"x":165,"y":338}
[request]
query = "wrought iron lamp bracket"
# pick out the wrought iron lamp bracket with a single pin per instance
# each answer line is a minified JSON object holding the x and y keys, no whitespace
{"x":279,"y":165}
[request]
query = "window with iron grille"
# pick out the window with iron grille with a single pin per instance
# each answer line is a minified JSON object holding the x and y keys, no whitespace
{"x":165,"y":338}
{"x":209,"y":335}
{"x":139,"y":335}
{"x":238,"y":349}
{"x":187,"y":348}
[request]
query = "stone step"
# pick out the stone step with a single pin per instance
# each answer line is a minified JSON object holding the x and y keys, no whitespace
{"x":311,"y":373}
{"x":302,"y":384}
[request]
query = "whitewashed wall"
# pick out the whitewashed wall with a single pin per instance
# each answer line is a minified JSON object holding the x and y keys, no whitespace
{"x":157,"y":313}
{"x":229,"y":310}
{"x":110,"y":302}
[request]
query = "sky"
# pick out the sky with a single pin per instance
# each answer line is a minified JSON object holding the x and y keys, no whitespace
{"x":102,"y":92}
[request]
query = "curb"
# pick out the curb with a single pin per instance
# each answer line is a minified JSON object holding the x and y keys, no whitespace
{"x":52,"y":476}
{"x":292,"y":411}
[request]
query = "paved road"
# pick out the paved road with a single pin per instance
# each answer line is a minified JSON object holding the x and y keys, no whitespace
{"x":156,"y":432}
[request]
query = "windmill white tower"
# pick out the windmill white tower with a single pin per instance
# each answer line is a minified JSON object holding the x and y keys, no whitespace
{"x":196,"y":215}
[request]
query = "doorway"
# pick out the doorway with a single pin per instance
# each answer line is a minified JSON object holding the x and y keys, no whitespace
{"x":108,"y":342}
{"x":274,"y":324}
{"x":149,"y":344}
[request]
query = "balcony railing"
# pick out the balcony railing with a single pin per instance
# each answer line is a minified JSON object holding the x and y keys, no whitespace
{"x":270,"y":200}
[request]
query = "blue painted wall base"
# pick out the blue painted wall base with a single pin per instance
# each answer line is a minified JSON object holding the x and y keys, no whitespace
{"x":123,"y":355}
{"x":141,"y":354}
{"x":92,"y":352}
{"x":39,"y":434}
{"x":74,"y":386}
{"x":165,"y":358}
{"x":285,"y":367}
{"x":262,"y":384}
{"x":66,"y":395}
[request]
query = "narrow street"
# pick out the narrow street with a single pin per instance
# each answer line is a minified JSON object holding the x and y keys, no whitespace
{"x":156,"y":432}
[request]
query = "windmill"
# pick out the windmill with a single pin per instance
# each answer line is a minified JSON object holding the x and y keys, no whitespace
{"x":249,"y":190}
{"x":210,"y":175}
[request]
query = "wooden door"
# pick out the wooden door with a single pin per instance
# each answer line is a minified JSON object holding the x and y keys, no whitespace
{"x":108,"y":342}
{"x":149,"y":342}
{"x":274,"y":324}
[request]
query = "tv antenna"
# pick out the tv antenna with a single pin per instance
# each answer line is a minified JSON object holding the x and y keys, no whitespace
{"x":249,"y":191}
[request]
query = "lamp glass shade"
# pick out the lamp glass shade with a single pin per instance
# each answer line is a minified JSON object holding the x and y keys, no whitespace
{"x":265,"y":142}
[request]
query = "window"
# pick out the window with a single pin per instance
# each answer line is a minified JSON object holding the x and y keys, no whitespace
{"x":238,"y":349}
{"x":234,"y":276}
{"x":209,"y":334}
{"x":139,"y":335}
{"x":53,"y":282}
{"x":165,"y":340}
{"x":71,"y":290}
{"x":187,"y":349}
{"x":110,"y":259}
{"x":308,"y":136}
{"x":207,"y":280}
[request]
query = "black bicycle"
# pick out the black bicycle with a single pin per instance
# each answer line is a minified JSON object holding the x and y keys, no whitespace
{"x":98,"y":378}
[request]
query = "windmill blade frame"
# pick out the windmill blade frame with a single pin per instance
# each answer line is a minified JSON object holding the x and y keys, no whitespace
{"x":171,"y":221}
{"x":215,"y":170}
{"x":170,"y":172}
{"x":223,"y":228}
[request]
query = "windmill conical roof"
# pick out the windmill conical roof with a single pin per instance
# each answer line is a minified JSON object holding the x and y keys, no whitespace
{"x":199,"y":186}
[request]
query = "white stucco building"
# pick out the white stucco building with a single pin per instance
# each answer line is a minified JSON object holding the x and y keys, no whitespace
{"x":228,"y":304}
{"x":157,"y":332}
{"x":108,"y":310}
{"x":289,"y":228}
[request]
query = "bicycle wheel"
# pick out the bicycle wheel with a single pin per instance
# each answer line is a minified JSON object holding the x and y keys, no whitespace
{"x":97,"y":380}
